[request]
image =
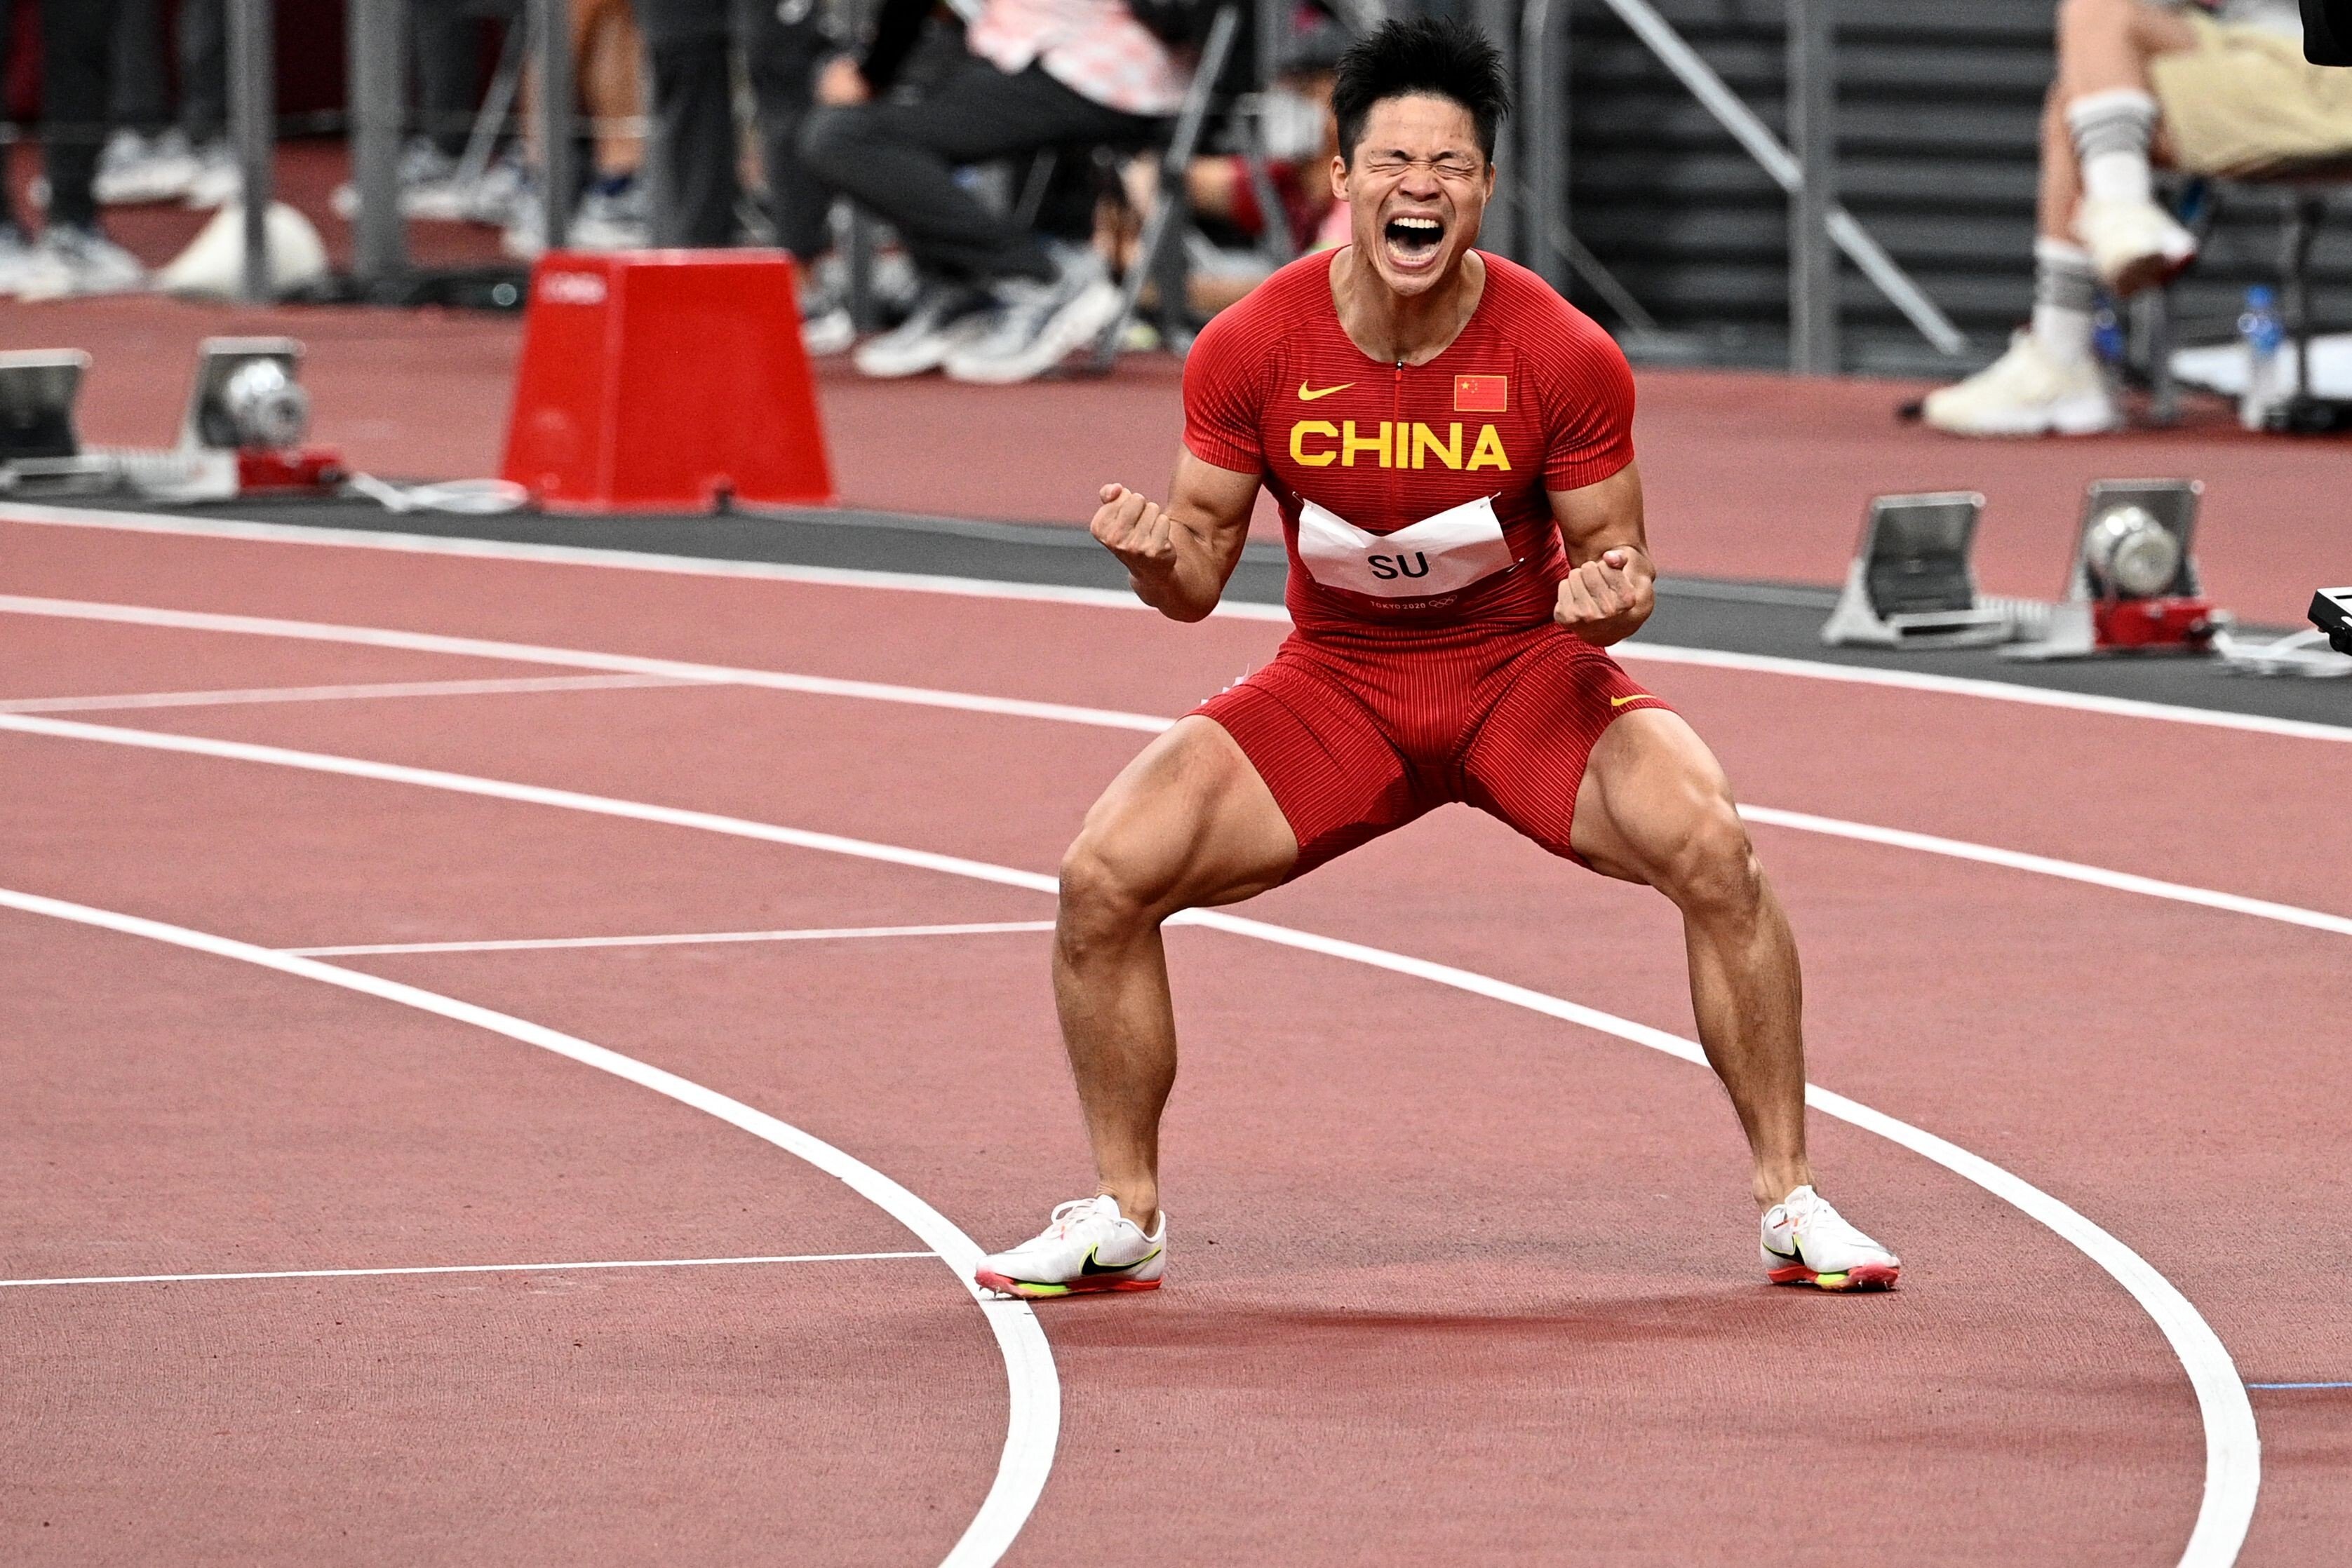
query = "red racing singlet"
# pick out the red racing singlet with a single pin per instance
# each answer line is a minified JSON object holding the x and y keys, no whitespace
{"x":1413,"y":496}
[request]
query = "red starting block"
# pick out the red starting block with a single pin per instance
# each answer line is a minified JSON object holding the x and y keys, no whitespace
{"x":665,"y":381}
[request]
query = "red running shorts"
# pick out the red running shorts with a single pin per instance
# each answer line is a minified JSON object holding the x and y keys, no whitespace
{"x":1355,"y":742}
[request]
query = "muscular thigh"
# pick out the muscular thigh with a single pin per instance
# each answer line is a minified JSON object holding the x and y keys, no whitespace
{"x":1532,"y":759}
{"x":1652,"y":796}
{"x":1189,"y":822}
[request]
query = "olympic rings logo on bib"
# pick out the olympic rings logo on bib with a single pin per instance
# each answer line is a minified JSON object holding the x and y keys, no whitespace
{"x":1438,"y":555}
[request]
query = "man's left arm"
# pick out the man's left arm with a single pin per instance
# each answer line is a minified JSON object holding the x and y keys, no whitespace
{"x":1610,"y":593}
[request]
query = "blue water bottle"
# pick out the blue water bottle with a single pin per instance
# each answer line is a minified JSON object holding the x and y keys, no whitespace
{"x":2263,"y":335}
{"x":2108,"y":337}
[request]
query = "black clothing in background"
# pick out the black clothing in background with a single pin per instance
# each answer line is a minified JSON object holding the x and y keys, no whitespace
{"x":77,"y":61}
{"x":203,"y":69}
{"x":142,"y":98}
{"x":899,"y":159}
{"x":2328,"y":32}
{"x":689,"y":43}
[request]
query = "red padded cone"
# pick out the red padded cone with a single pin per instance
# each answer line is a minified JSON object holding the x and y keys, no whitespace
{"x":660,"y":380}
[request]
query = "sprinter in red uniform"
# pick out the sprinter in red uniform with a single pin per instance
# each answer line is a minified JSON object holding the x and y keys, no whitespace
{"x":1450,"y":445}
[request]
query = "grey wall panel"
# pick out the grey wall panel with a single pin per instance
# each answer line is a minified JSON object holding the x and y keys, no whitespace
{"x":1940,"y":118}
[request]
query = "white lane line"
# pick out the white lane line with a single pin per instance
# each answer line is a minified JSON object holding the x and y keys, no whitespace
{"x":978,"y":588}
{"x":1035,"y":1412}
{"x":462,"y":1268}
{"x":521,"y":945}
{"x":2044,"y":865}
{"x":533,"y":653}
{"x":1992,"y":691}
{"x":2233,"y":1444}
{"x":342,"y":694}
{"x":1801,"y":821}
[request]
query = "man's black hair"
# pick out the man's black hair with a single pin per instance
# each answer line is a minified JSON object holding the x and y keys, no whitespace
{"x":1432,"y":55}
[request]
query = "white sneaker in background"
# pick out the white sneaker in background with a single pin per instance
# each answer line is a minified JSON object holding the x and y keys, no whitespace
{"x":1038,"y":325}
{"x":2132,"y":245}
{"x":946,"y":315}
{"x":829,"y":331}
{"x":2027,"y":391}
{"x":524,"y":235}
{"x":16,"y":259}
{"x":1088,"y":1246}
{"x":1807,"y":1242}
{"x":67,"y":261}
{"x":217,"y":180}
{"x":134,"y":171}
{"x":612,"y":216}
{"x":423,"y":166}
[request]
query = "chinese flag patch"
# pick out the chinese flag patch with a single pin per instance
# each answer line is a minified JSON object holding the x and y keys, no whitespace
{"x":1482,"y":394}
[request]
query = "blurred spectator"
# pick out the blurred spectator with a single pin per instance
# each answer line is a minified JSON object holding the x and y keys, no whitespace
{"x":435,"y":182}
{"x":690,"y":43}
{"x":72,"y":256}
{"x":1299,"y":140}
{"x":999,"y":303}
{"x":610,"y":214}
{"x":153,"y":155}
{"x":2219,"y":90}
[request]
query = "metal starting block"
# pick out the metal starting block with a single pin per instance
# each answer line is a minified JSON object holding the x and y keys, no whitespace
{"x":242,"y":435}
{"x":2134,"y":587}
{"x":1911,"y":585}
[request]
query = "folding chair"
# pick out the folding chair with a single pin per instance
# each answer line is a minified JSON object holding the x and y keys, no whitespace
{"x":1160,"y":253}
{"x":2303,"y":190}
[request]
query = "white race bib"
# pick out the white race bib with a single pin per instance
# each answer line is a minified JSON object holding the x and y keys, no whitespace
{"x":1437,"y":555}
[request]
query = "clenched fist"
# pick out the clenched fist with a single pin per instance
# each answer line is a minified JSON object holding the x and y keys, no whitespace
{"x":1607,"y":598}
{"x":1137,"y":531}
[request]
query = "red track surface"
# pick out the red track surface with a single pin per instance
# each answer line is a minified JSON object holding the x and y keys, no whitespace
{"x":1451,"y":1279}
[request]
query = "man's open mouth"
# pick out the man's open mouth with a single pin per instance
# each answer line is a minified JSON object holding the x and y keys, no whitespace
{"x":1413,"y":241}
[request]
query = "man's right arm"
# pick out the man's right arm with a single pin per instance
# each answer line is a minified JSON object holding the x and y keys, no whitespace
{"x":1179,"y":557}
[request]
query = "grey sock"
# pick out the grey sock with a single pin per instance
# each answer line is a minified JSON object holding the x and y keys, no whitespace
{"x":2118,"y":121}
{"x":2063,"y":279}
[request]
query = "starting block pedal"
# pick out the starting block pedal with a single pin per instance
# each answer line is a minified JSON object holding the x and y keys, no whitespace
{"x":2134,"y":587}
{"x":665,"y":381}
{"x":40,"y":448}
{"x":1911,"y":585}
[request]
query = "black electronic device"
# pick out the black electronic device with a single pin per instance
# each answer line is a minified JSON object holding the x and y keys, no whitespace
{"x":2331,"y":611}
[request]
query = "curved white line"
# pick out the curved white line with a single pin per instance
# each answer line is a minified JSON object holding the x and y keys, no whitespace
{"x":1034,"y":1416}
{"x":2233,"y":1444}
{"x":980,"y":588}
{"x":1063,"y":712}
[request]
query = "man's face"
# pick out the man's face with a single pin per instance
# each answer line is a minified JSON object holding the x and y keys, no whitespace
{"x":1416,"y":189}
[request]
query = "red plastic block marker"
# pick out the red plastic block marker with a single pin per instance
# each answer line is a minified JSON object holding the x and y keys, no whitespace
{"x":660,"y":379}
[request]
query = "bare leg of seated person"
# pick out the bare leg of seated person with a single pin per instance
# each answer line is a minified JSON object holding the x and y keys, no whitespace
{"x":2097,"y":221}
